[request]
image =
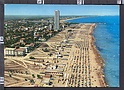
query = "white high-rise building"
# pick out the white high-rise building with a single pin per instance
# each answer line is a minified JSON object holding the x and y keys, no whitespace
{"x":56,"y":20}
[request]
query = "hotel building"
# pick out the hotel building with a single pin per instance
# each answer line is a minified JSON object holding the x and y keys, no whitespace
{"x":56,"y":20}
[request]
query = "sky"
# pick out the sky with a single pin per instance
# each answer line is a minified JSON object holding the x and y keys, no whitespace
{"x":34,"y":9}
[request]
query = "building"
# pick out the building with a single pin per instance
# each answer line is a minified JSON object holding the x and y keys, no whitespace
{"x":22,"y":40}
{"x":56,"y":20}
{"x":26,"y":49}
{"x":9,"y":51}
{"x":15,"y":52}
{"x":20,"y":52}
{"x":47,"y":76}
{"x":50,"y":27}
{"x":46,"y":81}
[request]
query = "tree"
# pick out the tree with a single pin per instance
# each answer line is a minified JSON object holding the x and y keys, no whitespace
{"x":32,"y":81}
{"x":10,"y":75}
{"x":50,"y":54}
{"x":26,"y":80}
{"x":33,"y":76}
{"x":26,"y":72}
{"x":32,"y":57}
{"x":38,"y":76}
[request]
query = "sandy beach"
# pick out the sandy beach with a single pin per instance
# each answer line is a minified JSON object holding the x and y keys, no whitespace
{"x":99,"y":61}
{"x":83,"y":65}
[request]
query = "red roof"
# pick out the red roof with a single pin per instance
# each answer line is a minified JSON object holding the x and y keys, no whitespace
{"x":47,"y":76}
{"x":32,"y":44}
{"x":20,"y":49}
{"x":22,"y":38}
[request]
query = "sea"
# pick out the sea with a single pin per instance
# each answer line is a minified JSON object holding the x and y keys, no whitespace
{"x":107,"y":41}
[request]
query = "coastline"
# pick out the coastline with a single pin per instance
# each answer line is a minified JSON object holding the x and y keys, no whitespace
{"x":100,"y":81}
{"x":99,"y":61}
{"x":65,"y":20}
{"x":110,"y":81}
{"x":95,"y":59}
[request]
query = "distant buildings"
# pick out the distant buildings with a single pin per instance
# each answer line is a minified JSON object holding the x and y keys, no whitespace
{"x":15,"y":52}
{"x":56,"y":20}
{"x":10,"y":51}
{"x":55,"y":70}
{"x":21,"y":51}
{"x":50,"y":27}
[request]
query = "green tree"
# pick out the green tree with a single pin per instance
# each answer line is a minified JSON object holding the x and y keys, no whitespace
{"x":32,"y":81}
{"x":26,"y":80}
{"x":32,"y":57}
{"x":33,"y":75}
{"x":38,"y":76}
{"x":10,"y":75}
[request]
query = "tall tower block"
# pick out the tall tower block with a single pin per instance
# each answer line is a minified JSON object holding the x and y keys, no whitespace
{"x":56,"y":20}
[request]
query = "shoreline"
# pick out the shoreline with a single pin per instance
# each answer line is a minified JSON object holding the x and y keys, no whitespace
{"x":94,"y":56}
{"x":99,"y":61}
{"x":71,"y":19}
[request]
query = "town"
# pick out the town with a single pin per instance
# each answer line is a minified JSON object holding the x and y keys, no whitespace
{"x":23,"y":36}
{"x":50,"y":52}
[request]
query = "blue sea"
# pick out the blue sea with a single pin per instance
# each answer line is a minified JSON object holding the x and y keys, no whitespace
{"x":107,"y":35}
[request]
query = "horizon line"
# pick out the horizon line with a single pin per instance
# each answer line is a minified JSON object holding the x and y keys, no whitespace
{"x":62,"y":15}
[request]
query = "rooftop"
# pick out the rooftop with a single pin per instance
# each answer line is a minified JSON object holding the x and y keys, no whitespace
{"x":9,"y":48}
{"x":20,"y":49}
